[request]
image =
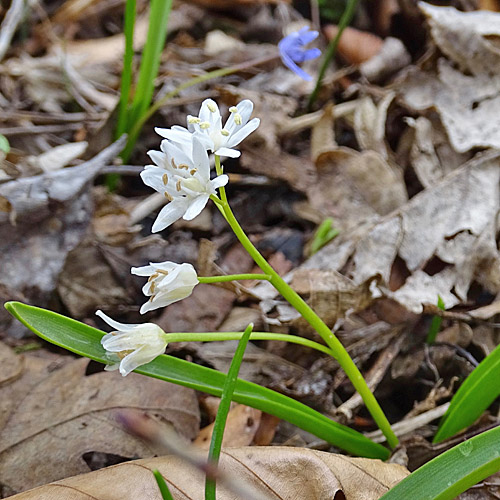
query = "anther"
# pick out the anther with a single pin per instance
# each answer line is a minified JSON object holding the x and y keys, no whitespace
{"x":237,"y":119}
{"x":212,"y":107}
{"x":184,"y":166}
{"x":162,"y":271}
{"x":173,"y":163}
{"x":204,"y":125}
{"x":233,"y":109}
{"x":193,"y":119}
{"x":168,"y":197}
{"x":165,"y":179}
{"x":178,"y":185}
{"x":193,"y":171}
{"x":225,"y":133}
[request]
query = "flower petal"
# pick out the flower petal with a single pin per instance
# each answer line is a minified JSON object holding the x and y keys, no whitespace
{"x":243,"y":132}
{"x":219,"y":181}
{"x":169,"y":214}
{"x":196,"y":206}
{"x":121,"y":327}
{"x":230,"y":153}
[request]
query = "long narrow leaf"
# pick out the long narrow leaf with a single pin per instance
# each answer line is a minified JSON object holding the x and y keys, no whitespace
{"x":224,"y":406}
{"x":453,"y":472}
{"x":86,"y":341}
{"x":477,"y":392}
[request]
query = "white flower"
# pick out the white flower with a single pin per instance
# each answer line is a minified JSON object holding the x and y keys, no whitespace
{"x":220,"y":140}
{"x":167,"y":283}
{"x":182,"y":174}
{"x":132,"y":345}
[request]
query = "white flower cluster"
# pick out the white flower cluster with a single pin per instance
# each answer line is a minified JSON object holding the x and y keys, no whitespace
{"x":181,"y":172}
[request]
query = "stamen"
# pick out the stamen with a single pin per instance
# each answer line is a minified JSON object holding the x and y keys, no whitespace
{"x":178,"y":185}
{"x":193,"y":171}
{"x":233,"y":109}
{"x":173,"y":163}
{"x":193,"y":119}
{"x":212,"y":107}
{"x":153,"y":276}
{"x":184,"y":166}
{"x":204,"y":125}
{"x":152,"y":287}
{"x":225,"y":133}
{"x":165,"y":179}
{"x":168,"y":197}
{"x":237,"y":119}
{"x":162,"y":271}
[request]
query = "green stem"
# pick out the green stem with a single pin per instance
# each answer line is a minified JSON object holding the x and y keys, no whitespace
{"x":233,"y":277}
{"x":340,"y":354}
{"x":222,"y":336}
{"x":219,"y":169}
{"x":222,"y":412}
{"x":137,"y":127}
{"x":345,"y":20}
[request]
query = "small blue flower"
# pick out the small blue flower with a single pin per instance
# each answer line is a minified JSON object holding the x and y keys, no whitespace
{"x":292,"y":50}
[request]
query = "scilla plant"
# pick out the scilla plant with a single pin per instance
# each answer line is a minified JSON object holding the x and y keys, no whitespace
{"x":181,"y":172}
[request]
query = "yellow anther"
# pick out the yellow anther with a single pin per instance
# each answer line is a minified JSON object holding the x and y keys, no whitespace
{"x":237,"y":119}
{"x":193,"y":119}
{"x":162,"y":271}
{"x":152,"y":287}
{"x":224,"y":132}
{"x":184,"y":166}
{"x":233,"y":109}
{"x":212,"y":107}
{"x":164,"y":178}
{"x":173,"y":163}
{"x":204,"y":125}
{"x":178,"y":185}
{"x":168,"y":197}
{"x":193,"y":171}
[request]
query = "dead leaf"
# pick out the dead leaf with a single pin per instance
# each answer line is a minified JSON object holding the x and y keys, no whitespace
{"x":273,"y":472}
{"x":464,"y":88}
{"x":69,"y":415}
{"x":241,"y":426}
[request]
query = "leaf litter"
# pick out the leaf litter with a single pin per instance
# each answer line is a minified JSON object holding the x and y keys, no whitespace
{"x":402,"y":154}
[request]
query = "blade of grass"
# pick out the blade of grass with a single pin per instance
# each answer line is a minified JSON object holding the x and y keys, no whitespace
{"x":452,"y":472}
{"x":150,"y":62}
{"x":162,"y":485}
{"x":345,"y":20}
{"x":126,"y":82}
{"x":225,"y":404}
{"x":86,"y":341}
{"x":477,"y":392}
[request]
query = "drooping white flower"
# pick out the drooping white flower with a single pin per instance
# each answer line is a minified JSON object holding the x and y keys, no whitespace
{"x":132,"y":345}
{"x":182,"y":174}
{"x":168,"y":282}
{"x":216,"y":138}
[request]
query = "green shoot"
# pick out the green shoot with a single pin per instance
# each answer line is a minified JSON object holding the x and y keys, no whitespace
{"x":4,"y":144}
{"x":222,"y":412}
{"x":435,"y":323}
{"x":162,"y":485}
{"x":324,"y":234}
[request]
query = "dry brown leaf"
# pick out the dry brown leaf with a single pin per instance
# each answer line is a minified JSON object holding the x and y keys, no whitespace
{"x":241,"y":426}
{"x":273,"y":473}
{"x":466,"y":98}
{"x":55,"y":416}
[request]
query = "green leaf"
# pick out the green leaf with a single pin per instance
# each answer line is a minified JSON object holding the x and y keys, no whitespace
{"x":86,"y":341}
{"x":453,"y":472}
{"x":162,"y":486}
{"x":477,"y":392}
{"x":435,"y":323}
{"x":224,"y":406}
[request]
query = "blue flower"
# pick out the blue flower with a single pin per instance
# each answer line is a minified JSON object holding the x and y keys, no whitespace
{"x":292,"y":50}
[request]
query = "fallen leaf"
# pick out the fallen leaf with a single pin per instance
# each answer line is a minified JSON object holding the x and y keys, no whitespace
{"x":273,"y":472}
{"x":464,"y":87}
{"x":79,"y":420}
{"x":241,"y":426}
